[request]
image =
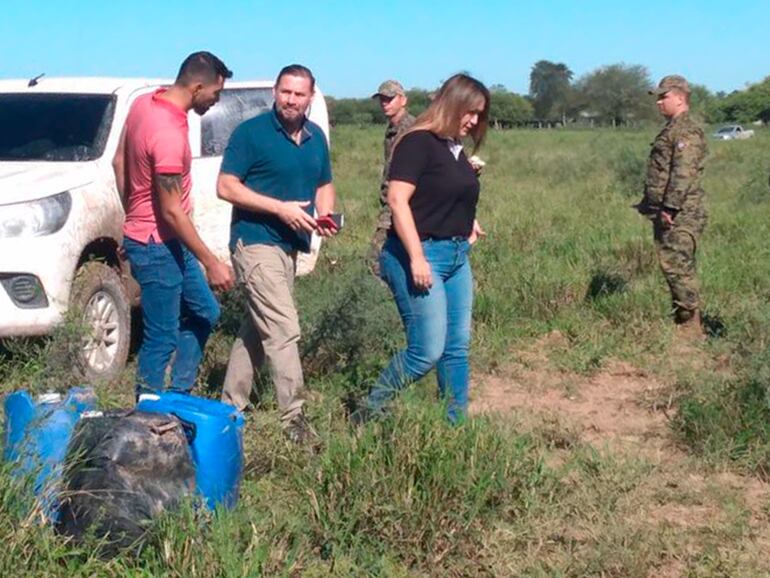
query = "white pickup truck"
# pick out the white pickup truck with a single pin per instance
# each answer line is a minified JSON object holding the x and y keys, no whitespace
{"x":733,"y":132}
{"x":60,"y":214}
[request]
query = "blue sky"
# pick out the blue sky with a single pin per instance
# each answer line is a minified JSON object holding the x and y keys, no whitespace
{"x":353,"y":45}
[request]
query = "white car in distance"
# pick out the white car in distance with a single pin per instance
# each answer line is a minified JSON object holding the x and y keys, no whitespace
{"x":733,"y":132}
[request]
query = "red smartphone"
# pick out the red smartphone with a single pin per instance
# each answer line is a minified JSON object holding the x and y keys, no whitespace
{"x":331,"y":221}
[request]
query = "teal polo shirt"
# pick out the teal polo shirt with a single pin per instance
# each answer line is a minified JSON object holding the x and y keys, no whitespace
{"x":267,"y":160}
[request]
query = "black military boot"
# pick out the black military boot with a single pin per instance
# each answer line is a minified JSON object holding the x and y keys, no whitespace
{"x":688,"y":325}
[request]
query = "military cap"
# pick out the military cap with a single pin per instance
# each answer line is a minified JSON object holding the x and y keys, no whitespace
{"x":389,"y":88}
{"x":672,"y":82}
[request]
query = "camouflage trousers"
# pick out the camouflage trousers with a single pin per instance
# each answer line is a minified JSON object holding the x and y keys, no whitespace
{"x":675,"y":248}
{"x":378,"y":240}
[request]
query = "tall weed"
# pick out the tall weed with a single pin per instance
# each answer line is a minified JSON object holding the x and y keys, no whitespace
{"x":415,"y":485}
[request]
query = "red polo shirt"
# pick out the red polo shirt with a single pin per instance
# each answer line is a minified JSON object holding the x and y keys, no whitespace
{"x":156,"y":143}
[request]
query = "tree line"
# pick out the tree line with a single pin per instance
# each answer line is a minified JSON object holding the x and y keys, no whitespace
{"x":612,"y":95}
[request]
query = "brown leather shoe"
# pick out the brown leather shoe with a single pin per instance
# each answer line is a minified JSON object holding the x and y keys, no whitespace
{"x":299,"y":430}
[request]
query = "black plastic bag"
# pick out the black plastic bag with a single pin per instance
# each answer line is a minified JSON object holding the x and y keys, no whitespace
{"x":122,"y":470}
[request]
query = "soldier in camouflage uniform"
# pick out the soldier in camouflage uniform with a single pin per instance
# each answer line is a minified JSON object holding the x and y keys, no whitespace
{"x":393,"y":103}
{"x":673,"y":200}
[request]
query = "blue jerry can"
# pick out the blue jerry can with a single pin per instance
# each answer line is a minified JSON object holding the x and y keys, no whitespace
{"x":37,"y":432}
{"x":215,"y":433}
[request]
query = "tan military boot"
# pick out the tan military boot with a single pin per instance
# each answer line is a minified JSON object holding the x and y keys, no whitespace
{"x":691,"y":329}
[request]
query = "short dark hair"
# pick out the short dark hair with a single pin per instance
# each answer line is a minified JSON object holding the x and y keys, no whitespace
{"x":296,"y":70}
{"x":202,"y":67}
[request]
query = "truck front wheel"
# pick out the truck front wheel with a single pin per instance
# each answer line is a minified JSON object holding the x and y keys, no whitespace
{"x":101,"y":303}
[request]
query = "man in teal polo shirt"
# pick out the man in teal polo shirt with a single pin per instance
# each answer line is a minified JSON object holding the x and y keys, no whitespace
{"x":275,"y":171}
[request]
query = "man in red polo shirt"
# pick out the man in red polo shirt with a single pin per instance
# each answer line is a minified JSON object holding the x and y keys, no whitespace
{"x":152,"y":170}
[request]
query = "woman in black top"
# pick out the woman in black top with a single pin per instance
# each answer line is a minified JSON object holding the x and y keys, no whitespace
{"x":433,"y":193}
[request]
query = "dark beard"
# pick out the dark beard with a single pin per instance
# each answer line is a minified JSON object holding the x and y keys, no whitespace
{"x":290,"y":125}
{"x":201,"y":110}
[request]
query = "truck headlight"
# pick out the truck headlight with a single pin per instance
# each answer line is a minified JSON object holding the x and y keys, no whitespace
{"x":35,"y":218}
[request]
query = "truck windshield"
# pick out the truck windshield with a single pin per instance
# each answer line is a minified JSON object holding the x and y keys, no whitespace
{"x":54,"y":127}
{"x":726,"y":129}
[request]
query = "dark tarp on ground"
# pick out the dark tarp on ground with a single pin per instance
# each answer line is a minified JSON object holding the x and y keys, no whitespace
{"x":123,"y":468}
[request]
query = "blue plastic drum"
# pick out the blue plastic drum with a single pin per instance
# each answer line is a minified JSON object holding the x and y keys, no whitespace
{"x":215,"y":432}
{"x":37,"y":432}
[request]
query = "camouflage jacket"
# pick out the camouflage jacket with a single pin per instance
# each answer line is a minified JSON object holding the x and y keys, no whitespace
{"x":391,"y":134}
{"x":675,"y":170}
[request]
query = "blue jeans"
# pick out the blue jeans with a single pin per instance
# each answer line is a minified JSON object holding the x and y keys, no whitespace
{"x":179,"y":311}
{"x":437,"y":323}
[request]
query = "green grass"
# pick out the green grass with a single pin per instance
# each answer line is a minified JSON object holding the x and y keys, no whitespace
{"x":414,"y":497}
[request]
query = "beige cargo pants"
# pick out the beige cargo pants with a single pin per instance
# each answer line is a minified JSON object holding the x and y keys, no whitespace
{"x":269,"y":333}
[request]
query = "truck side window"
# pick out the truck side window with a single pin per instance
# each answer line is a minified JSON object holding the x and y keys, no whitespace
{"x":235,"y":105}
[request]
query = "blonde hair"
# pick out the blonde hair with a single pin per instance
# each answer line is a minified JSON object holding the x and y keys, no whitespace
{"x":456,"y":97}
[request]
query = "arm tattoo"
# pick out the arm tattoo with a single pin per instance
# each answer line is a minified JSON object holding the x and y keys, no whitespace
{"x":169,"y":184}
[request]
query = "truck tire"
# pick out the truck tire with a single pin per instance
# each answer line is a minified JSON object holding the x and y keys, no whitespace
{"x":100,"y":301}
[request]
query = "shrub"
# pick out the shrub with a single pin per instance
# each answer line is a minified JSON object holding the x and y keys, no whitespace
{"x":628,"y":165}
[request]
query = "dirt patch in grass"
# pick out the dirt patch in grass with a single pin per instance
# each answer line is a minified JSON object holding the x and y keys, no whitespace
{"x":608,"y":407}
{"x":624,"y":411}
